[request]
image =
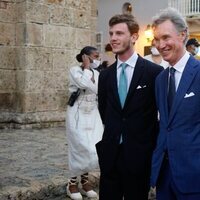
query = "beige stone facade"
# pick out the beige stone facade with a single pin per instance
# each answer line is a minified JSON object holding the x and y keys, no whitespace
{"x":38,"y":43}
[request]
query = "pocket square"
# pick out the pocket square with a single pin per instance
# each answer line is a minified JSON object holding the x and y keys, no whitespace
{"x":140,"y":87}
{"x":189,"y":95}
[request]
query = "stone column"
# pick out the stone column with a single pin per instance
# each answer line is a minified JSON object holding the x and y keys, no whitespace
{"x":39,"y":41}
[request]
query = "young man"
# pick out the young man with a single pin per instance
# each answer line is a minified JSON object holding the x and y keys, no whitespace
{"x":128,"y":111}
{"x":176,"y":159}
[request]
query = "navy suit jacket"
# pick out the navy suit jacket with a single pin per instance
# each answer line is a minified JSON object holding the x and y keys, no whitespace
{"x":180,"y":130}
{"x":137,"y":120}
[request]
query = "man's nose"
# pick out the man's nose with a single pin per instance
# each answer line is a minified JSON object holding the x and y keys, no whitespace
{"x":161,"y":44}
{"x":113,"y":37}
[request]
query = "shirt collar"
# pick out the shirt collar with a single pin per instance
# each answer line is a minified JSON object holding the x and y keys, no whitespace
{"x":130,"y":62}
{"x":180,"y":65}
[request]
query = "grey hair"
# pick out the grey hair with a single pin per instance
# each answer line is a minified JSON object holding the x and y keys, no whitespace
{"x":175,"y":17}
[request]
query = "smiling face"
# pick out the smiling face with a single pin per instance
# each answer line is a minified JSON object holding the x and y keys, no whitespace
{"x":169,"y":42}
{"x":121,"y":40}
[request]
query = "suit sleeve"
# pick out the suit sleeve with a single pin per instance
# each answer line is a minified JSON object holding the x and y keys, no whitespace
{"x":102,"y":94}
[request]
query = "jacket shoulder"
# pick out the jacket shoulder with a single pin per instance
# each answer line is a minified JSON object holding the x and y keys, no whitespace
{"x":150,"y":67}
{"x":104,"y":73}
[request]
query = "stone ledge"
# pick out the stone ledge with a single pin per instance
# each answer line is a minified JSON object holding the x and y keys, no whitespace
{"x":43,"y":191}
{"x":32,"y":120}
{"x":37,"y":191}
{"x":39,"y":125}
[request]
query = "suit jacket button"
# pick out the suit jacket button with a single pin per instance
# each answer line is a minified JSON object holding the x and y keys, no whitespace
{"x":169,"y":129}
{"x":124,"y":119}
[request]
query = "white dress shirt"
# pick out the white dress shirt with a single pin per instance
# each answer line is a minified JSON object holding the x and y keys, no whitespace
{"x":180,"y":66}
{"x":129,"y":70}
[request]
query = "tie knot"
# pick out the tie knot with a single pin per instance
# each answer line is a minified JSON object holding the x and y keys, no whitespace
{"x":123,"y":65}
{"x":172,"y":70}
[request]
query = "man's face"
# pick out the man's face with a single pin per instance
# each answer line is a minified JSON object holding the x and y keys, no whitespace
{"x":169,"y":42}
{"x":121,"y":39}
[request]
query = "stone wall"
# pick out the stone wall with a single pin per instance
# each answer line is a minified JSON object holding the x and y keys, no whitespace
{"x":38,"y":43}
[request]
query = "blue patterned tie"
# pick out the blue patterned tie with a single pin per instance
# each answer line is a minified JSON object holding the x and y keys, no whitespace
{"x":122,"y":89}
{"x":172,"y":87}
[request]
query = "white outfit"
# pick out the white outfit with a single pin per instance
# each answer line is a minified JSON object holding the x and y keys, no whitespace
{"x":83,"y":123}
{"x":163,"y":63}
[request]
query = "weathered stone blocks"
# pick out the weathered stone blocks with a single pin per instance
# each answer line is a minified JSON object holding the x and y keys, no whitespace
{"x":38,"y":44}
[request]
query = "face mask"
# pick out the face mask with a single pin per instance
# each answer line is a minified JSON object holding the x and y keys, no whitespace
{"x":196,"y":50}
{"x":95,"y":63}
{"x":155,"y":51}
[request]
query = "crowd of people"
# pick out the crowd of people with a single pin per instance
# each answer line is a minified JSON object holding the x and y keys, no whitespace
{"x":137,"y":119}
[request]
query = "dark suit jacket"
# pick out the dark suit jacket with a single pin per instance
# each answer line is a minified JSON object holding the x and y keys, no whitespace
{"x":180,"y":130}
{"x":137,"y":121}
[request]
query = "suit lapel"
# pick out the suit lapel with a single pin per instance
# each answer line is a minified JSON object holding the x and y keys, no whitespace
{"x":185,"y":82}
{"x":138,"y":71}
{"x":165,"y":92}
{"x":114,"y":86}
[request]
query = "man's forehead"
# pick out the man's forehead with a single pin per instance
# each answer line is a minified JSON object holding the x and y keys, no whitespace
{"x":119,"y":25}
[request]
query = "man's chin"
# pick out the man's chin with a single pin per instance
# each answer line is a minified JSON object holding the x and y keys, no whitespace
{"x":165,"y":57}
{"x":115,"y":51}
{"x":118,"y":51}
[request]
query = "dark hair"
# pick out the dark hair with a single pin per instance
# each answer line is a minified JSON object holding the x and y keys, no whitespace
{"x":128,"y":19}
{"x":192,"y":41}
{"x":108,"y":47}
{"x":86,"y":50}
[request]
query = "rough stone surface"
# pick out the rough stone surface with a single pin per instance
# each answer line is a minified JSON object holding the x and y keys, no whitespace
{"x":39,"y":40}
{"x":33,"y":164}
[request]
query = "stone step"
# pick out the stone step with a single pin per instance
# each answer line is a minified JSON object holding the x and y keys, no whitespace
{"x":42,"y":191}
{"x":50,"y":192}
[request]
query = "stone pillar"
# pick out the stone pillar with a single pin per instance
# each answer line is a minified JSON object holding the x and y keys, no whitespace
{"x":38,"y":43}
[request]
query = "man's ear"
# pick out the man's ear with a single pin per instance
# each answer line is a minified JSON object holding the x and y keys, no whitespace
{"x":134,"y":37}
{"x":183,"y":35}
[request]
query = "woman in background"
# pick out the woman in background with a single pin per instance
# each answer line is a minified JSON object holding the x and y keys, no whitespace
{"x":155,"y":57}
{"x":83,"y":124}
